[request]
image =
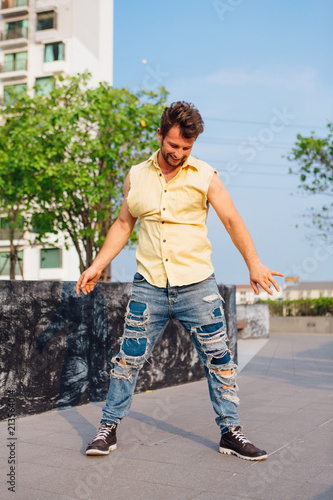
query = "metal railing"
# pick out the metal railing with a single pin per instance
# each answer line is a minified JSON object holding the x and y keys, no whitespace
{"x":11,"y":4}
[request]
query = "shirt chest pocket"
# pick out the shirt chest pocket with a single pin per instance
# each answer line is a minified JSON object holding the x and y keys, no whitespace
{"x":186,"y":203}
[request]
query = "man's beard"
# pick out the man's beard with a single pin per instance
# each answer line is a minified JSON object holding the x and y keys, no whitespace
{"x":167,"y":156}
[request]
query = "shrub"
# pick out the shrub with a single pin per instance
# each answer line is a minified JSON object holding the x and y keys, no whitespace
{"x":323,"y":306}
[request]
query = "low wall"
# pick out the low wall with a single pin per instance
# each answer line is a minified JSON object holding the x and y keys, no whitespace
{"x":301,"y":324}
{"x":56,"y":347}
{"x":256,"y":317}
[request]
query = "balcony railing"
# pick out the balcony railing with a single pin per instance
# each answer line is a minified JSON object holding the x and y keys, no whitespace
{"x":12,"y":4}
{"x":14,"y":66}
{"x":13,"y":34}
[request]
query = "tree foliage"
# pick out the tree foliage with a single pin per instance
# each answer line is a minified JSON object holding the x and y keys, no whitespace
{"x":79,"y":148}
{"x":314,"y":158}
{"x":18,"y":173}
{"x":322,"y":306}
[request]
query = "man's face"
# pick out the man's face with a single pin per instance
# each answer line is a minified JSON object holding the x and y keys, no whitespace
{"x":174,"y":147}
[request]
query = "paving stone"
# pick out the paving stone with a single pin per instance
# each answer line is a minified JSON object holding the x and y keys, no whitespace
{"x":324,"y":477}
{"x":252,"y":485}
{"x":313,"y":492}
{"x":168,"y":444}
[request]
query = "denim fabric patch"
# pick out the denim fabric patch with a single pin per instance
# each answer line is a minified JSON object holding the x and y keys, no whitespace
{"x":134,"y":347}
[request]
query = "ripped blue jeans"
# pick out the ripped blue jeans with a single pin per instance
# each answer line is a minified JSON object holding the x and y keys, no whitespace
{"x":199,"y":309}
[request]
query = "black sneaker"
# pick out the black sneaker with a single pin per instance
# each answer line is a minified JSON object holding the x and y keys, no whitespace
{"x":104,"y":442}
{"x":234,"y":442}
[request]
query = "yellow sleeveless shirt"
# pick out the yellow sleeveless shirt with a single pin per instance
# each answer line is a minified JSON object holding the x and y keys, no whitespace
{"x":173,"y":244}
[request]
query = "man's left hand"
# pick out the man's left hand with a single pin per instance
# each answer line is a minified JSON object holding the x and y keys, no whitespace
{"x":263,"y":276}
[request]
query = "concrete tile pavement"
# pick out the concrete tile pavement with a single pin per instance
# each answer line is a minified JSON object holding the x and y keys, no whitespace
{"x":167,"y":445}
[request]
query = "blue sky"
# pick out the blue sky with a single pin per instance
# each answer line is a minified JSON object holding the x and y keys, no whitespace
{"x":260,"y":72}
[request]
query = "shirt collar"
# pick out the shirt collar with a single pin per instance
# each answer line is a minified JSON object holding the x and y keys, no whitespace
{"x":190,"y":162}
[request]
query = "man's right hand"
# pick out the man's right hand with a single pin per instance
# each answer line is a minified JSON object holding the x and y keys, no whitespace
{"x":88,"y":280}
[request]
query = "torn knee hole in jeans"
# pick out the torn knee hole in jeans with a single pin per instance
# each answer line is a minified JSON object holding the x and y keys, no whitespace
{"x":136,"y":315}
{"x":134,"y":346}
{"x":229,"y":388}
{"x":225,"y":373}
{"x":212,"y":297}
{"x":217,"y":313}
{"x":123,"y":367}
{"x":230,"y":397}
{"x":225,"y":386}
{"x":211,"y":333}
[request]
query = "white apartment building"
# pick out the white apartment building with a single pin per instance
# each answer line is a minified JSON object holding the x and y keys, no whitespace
{"x":308,"y":290}
{"x":38,"y":39}
{"x":246,"y":295}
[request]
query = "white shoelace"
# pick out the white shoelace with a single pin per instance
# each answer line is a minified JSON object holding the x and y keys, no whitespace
{"x":103,"y":431}
{"x":240,"y":436}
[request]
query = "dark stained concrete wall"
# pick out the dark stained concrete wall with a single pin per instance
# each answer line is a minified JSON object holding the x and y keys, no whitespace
{"x":56,"y":347}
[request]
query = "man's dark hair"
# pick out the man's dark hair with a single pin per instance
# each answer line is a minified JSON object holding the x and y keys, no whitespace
{"x":184,"y":115}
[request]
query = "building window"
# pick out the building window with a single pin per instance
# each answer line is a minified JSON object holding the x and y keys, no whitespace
{"x":10,"y":4}
{"x":9,"y":91}
{"x":54,"y":52}
{"x":5,"y":263}
{"x":5,"y":229}
{"x":16,"y":61}
{"x":50,"y":258}
{"x":46,"y":20}
{"x":16,"y":29}
{"x":44,"y":85}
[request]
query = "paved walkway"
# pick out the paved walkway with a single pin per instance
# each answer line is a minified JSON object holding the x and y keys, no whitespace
{"x":167,"y":446}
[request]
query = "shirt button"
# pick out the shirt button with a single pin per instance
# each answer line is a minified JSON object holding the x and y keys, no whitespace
{"x":166,"y":260}
{"x":162,"y":221}
{"x":163,"y":208}
{"x":164,"y":241}
{"x":165,"y":190}
{"x":160,"y":175}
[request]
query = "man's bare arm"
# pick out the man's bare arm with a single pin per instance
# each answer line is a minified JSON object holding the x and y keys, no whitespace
{"x":115,"y":241}
{"x":223,"y":205}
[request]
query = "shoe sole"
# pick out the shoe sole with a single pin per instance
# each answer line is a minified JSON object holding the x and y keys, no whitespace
{"x":100,"y":452}
{"x":227,"y":451}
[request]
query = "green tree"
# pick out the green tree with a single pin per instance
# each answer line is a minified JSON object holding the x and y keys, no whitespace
{"x":64,"y":158}
{"x":314,"y":159}
{"x":91,"y":137}
{"x":18,"y":173}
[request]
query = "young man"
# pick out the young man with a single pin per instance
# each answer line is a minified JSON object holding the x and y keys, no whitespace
{"x":170,"y":192}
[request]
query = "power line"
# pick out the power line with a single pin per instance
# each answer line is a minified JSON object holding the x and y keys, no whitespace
{"x":244,"y":172}
{"x":236,"y":142}
{"x":258,"y":187}
{"x":263,"y":123}
{"x":249,"y":163}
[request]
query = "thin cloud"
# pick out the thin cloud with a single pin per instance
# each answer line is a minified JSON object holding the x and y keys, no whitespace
{"x":305,"y":79}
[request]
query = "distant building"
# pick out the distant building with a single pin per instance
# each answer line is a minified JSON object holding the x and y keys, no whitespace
{"x":308,"y":290}
{"x":38,"y":39}
{"x":246,"y":295}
